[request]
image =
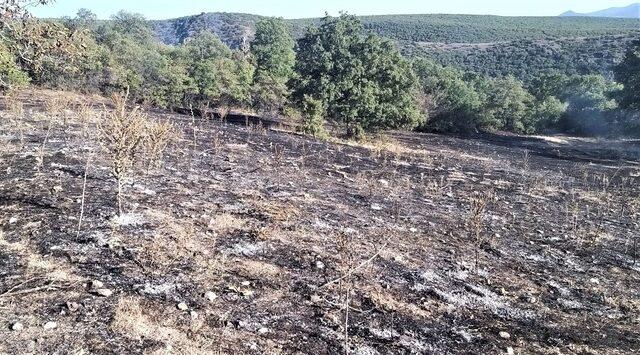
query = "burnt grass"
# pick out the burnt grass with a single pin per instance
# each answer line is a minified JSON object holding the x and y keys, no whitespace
{"x":270,"y":221}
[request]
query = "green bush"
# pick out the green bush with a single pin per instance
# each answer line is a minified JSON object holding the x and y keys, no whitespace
{"x":11,"y":76}
{"x":364,"y":84}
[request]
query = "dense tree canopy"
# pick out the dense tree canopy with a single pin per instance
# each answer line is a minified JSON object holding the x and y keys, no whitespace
{"x":362,"y":81}
{"x":628,"y":74}
{"x":336,"y":71}
{"x":275,"y":59}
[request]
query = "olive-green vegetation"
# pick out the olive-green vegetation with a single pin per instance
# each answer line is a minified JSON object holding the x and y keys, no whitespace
{"x":525,"y":58}
{"x":338,"y":70}
{"x":628,"y":74}
{"x":490,"y":45}
{"x":361,"y":80}
{"x":274,"y":60}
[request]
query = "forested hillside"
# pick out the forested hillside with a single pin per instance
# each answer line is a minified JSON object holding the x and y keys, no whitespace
{"x":490,"y":45}
{"x":527,"y":58}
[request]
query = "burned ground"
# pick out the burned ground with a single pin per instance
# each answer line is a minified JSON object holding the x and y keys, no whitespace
{"x":250,"y":240}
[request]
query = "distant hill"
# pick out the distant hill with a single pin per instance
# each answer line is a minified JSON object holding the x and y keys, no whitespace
{"x":631,"y":11}
{"x":492,"y":45}
{"x":234,"y":28}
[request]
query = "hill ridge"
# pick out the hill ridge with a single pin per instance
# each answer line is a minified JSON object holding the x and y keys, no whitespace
{"x":630,"y":11}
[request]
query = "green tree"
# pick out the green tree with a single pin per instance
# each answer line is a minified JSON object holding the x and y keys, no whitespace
{"x":508,"y":106}
{"x":628,"y":74}
{"x":10,"y":74}
{"x":452,"y":102}
{"x":312,"y":117}
{"x":362,"y":81}
{"x":85,"y":19}
{"x":275,"y":58}
{"x":220,"y":76}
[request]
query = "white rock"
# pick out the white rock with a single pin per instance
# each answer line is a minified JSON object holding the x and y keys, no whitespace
{"x":97,"y":284}
{"x":246,"y":283}
{"x":376,"y":207}
{"x":505,"y":335}
{"x":50,"y":325}
{"x":319,"y":265}
{"x":384,"y":182}
{"x":104,"y":292}
{"x":17,"y":327}
{"x":510,"y":351}
{"x":194,"y":315}
{"x":13,"y":220}
{"x":211,"y":296}
{"x":263,"y":330}
{"x":182,"y":306}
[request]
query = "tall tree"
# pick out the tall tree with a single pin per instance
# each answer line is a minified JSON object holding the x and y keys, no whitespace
{"x":275,"y":58}
{"x":628,"y":74}
{"x":362,"y":81}
{"x":221,"y":76}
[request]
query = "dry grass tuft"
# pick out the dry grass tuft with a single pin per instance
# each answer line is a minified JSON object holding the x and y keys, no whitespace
{"x":121,"y":133}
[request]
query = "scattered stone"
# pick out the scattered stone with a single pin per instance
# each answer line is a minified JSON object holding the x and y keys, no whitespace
{"x":384,"y":182}
{"x":13,"y":220}
{"x":595,"y":281}
{"x":57,"y":189}
{"x":95,"y":284}
{"x":510,"y":351}
{"x":316,"y":299}
{"x":50,"y":325}
{"x":73,"y":306}
{"x":211,"y":296}
{"x":246,"y":283}
{"x":183,"y":306}
{"x":263,"y":330}
{"x":319,"y":265}
{"x":413,"y":230}
{"x":505,"y":335}
{"x":194,"y":315}
{"x":376,"y":207}
{"x":17,"y":327}
{"x":103,"y":292}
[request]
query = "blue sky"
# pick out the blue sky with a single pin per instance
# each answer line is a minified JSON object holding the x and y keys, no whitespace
{"x":160,"y":9}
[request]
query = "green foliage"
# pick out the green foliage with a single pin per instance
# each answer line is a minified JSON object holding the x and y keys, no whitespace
{"x":628,"y":74}
{"x":85,"y":19}
{"x":460,"y":102}
{"x":10,"y":74}
{"x":221,"y":76}
{"x":548,"y":113}
{"x":313,"y":117}
{"x":507,"y":105}
{"x":275,"y":58}
{"x":524,"y":59}
{"x":362,"y":81}
{"x":453,"y":104}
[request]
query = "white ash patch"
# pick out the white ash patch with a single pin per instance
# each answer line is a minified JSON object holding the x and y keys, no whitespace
{"x":145,"y":190}
{"x":385,"y":334}
{"x":128,"y":219}
{"x":365,"y":350}
{"x":165,"y":289}
{"x":570,"y":304}
{"x":246,"y":249}
{"x":563,"y":291}
{"x":429,"y":275}
{"x":322,"y":225}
